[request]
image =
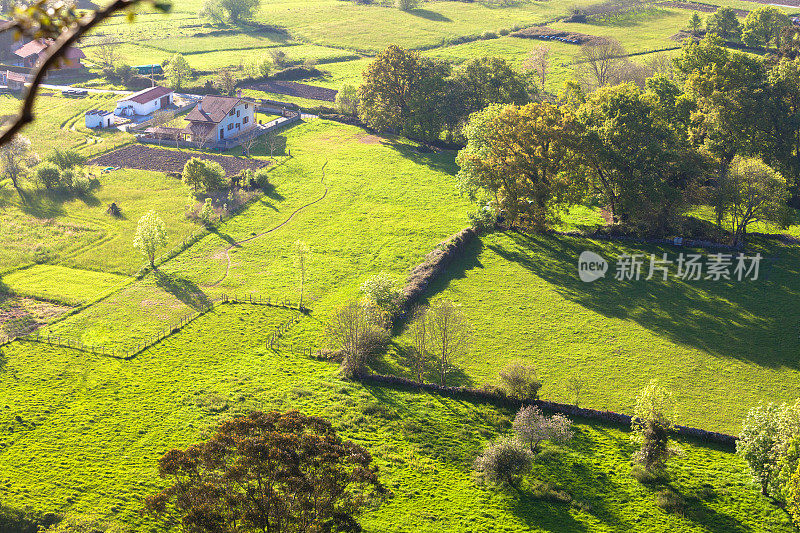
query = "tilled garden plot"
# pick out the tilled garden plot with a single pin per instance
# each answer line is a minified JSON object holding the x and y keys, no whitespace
{"x":147,"y":158}
{"x":293,"y":88}
{"x":547,"y":33}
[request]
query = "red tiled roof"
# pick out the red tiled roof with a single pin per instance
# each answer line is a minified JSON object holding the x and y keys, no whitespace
{"x":148,"y":95}
{"x":212,"y":109}
{"x":31,"y":49}
{"x":16,"y":76}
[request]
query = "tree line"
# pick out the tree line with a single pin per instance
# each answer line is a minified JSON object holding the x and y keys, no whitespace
{"x":717,"y":127}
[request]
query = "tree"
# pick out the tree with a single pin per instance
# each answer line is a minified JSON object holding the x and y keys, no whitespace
{"x":598,"y":61}
{"x":538,"y":62}
{"x":226,"y":82}
{"x":420,"y":354}
{"x":276,"y":472}
{"x":532,"y":427}
{"x":212,"y":10}
{"x":207,"y":212}
{"x":520,"y":381}
{"x":151,"y":235}
{"x":695,"y":23}
{"x":272,"y":141}
{"x":48,"y":175}
{"x":16,"y":158}
{"x":347,"y":100}
{"x":233,"y":11}
{"x":449,"y":334}
{"x":750,"y":192}
{"x":757,"y":442}
{"x":83,"y":524}
{"x":504,"y":463}
{"x":353,"y":331}
{"x":576,"y":384}
{"x":278,"y":57}
{"x":107,"y":47}
{"x":763,"y":26}
{"x":403,"y":91}
{"x":520,"y":156}
{"x":177,"y":71}
{"x":793,"y":496}
{"x":651,"y":424}
{"x":725,"y":23}
{"x":249,"y":143}
{"x":406,"y":5}
{"x":160,"y":118}
{"x":640,"y":162}
{"x":199,"y":173}
{"x":67,"y":158}
{"x":381,"y":290}
{"x":300,"y":257}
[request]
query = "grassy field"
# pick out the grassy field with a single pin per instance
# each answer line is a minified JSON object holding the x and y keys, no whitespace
{"x":56,"y":227}
{"x":90,"y":430}
{"x":62,"y":284}
{"x":721,"y":347}
{"x":385,"y":207}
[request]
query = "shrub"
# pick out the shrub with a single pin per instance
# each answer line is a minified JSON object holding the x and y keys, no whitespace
{"x":670,"y":501}
{"x":203,"y":173}
{"x":83,"y":524}
{"x":81,"y":184}
{"x":261,"y":179}
{"x":644,"y":476}
{"x":48,"y":175}
{"x":532,"y":427}
{"x":503,"y":463}
{"x":347,"y":100}
{"x":483,"y":219}
{"x":68,"y":178}
{"x":520,"y":381}
{"x":651,"y":425}
{"x":353,"y":332}
{"x":68,"y":158}
{"x":488,"y":35}
{"x":207,"y":212}
{"x":504,"y":32}
{"x":382,"y":291}
{"x":406,"y":5}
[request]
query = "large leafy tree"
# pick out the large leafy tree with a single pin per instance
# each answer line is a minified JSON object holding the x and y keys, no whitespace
{"x":16,"y":158}
{"x":750,"y":192}
{"x":177,"y":71}
{"x":520,"y":156}
{"x":403,"y":92}
{"x":651,"y":424}
{"x":268,"y":472}
{"x":638,"y":161}
{"x":151,"y":235}
{"x":764,"y":26}
{"x":725,"y":23}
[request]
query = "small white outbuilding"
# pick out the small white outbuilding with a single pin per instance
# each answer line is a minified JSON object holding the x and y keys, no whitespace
{"x":144,"y":102}
{"x":96,"y":118}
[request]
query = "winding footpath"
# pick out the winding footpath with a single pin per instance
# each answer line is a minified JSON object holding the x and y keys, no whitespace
{"x":239,"y":243}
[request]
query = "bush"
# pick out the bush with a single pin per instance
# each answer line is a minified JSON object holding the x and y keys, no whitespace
{"x":354,"y":333}
{"x":520,"y":381}
{"x":503,"y":463}
{"x":68,"y":158}
{"x":203,"y":173}
{"x":488,"y":35}
{"x":207,"y":212}
{"x":48,"y":175}
{"x":532,"y":427}
{"x":83,"y":524}
{"x":504,"y":32}
{"x":670,"y":501}
{"x":80,"y":183}
{"x":382,"y":291}
{"x":347,"y":100}
{"x":406,"y":5}
{"x":483,"y":219}
{"x":261,"y":179}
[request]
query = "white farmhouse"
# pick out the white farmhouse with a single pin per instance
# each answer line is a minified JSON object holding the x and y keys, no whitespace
{"x":218,"y":118}
{"x":145,"y":102}
{"x":96,"y":118}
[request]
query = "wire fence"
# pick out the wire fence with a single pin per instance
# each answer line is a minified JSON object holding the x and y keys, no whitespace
{"x":150,"y":340}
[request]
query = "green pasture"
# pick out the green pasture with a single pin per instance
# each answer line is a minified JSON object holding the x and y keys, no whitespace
{"x":386,"y":207}
{"x":721,"y":347}
{"x":55,"y":227}
{"x":82,"y":433}
{"x":60,"y":123}
{"x":62,"y":284}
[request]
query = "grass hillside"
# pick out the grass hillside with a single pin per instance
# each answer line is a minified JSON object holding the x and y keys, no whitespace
{"x":82,"y":433}
{"x":721,"y":347}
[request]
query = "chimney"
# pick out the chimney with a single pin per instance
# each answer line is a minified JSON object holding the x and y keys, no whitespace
{"x":200,"y":106}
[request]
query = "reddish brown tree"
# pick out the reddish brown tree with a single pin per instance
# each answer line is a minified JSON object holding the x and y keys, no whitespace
{"x":268,"y":472}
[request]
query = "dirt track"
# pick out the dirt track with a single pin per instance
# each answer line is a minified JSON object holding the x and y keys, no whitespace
{"x":160,"y":160}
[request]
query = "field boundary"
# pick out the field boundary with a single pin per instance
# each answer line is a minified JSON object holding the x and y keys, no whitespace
{"x":166,"y":332}
{"x":566,"y":409}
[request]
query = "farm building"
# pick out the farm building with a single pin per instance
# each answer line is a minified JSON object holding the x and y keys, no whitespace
{"x":220,"y":117}
{"x":96,"y":118}
{"x":30,"y":54}
{"x":15,"y":81}
{"x":145,"y":102}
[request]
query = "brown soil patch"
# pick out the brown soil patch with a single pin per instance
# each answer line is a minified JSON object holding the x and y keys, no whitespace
{"x":20,"y":315}
{"x":546,"y":33}
{"x":301,"y":90}
{"x":369,"y":139}
{"x":146,"y":158}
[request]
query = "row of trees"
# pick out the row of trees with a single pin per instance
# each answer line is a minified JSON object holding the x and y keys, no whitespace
{"x":723,"y":132}
{"x":762,"y":27}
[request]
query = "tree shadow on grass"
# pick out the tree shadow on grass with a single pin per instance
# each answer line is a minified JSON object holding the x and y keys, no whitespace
{"x":182,"y":289}
{"x":444,"y":161}
{"x":429,"y":15}
{"x":725,"y":318}
{"x":223,"y":236}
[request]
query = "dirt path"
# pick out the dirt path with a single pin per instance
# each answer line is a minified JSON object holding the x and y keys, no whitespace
{"x":238,"y":243}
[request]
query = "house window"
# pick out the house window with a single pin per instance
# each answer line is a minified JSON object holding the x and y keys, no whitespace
{"x":238,"y":114}
{"x":232,"y":112}
{"x":230,"y":126}
{"x":245,"y":106}
{"x":245,"y":120}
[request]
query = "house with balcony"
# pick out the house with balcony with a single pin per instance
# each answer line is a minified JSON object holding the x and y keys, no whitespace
{"x":218,"y":119}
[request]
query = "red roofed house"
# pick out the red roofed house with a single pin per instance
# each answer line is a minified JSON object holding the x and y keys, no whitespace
{"x":15,"y":81}
{"x":30,"y":54}
{"x":145,"y":102}
{"x":218,"y":118}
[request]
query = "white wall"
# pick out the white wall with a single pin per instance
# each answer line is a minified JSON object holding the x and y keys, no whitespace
{"x":141,"y":109}
{"x":234,"y":120}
